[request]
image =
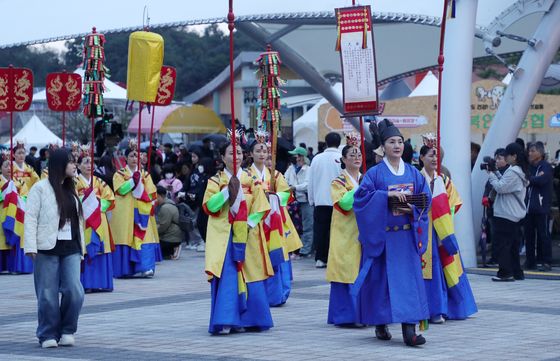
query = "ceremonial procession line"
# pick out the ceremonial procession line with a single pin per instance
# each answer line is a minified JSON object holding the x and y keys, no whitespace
{"x":167,"y":318}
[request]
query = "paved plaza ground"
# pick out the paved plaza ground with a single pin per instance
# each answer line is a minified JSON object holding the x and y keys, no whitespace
{"x":166,"y":318}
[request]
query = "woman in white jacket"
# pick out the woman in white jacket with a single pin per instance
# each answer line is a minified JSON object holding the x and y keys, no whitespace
{"x":509,"y":211}
{"x":54,"y":238}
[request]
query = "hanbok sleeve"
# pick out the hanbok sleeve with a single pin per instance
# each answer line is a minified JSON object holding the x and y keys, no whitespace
{"x":149,"y":185}
{"x":259,"y":207}
{"x":455,"y":201}
{"x":343,"y":199}
{"x":370,"y":208}
{"x":107,"y":197}
{"x":282,"y":189}
{"x":214,"y":198}
{"x":122,"y":185}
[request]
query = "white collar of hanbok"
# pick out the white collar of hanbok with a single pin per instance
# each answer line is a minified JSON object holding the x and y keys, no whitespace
{"x":130,"y":170}
{"x":86,"y":181}
{"x":261,"y":175}
{"x":400,"y":171}
{"x":22,"y":168}
{"x":355,"y":183}
{"x":228,"y":173}
{"x":427,"y":176}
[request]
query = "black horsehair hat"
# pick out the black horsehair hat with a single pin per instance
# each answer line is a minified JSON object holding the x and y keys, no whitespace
{"x":387,"y":130}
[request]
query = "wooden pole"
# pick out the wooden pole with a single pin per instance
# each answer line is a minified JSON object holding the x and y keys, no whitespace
{"x":231,"y":27}
{"x":441,"y":60}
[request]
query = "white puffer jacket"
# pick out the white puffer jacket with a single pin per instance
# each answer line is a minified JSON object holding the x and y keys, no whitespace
{"x":42,"y":219}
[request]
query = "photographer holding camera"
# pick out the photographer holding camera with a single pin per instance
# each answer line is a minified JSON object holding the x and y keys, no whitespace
{"x":509,"y":210}
{"x":488,"y":198}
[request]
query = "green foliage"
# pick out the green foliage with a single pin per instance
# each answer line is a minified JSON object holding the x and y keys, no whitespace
{"x":489,"y":73}
{"x":40,"y":62}
{"x":197,"y":57}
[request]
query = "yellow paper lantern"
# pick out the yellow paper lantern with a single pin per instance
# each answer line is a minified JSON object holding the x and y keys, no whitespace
{"x":145,"y":58}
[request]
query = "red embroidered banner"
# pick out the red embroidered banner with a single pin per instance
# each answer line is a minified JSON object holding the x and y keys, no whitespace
{"x":167,"y":82}
{"x":16,"y":89}
{"x":64,"y":92}
{"x":357,"y":57}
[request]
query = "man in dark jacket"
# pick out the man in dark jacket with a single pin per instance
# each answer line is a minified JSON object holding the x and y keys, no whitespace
{"x":539,"y":199}
{"x":167,"y":219}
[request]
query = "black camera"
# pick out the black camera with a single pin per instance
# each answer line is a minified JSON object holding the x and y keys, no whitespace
{"x":488,"y":164}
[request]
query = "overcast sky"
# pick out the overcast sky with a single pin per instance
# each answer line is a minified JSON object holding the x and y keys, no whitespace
{"x":23,"y":20}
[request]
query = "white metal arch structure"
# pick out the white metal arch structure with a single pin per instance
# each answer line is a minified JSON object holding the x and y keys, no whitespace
{"x":522,"y":89}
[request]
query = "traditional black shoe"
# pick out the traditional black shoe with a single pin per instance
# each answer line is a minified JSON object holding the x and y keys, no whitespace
{"x":410,"y":337}
{"x":502,"y":279}
{"x":545,"y":267}
{"x":382,"y":333}
{"x":519,"y":278}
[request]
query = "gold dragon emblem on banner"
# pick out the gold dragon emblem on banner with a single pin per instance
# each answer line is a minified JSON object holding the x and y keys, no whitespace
{"x":166,"y":81}
{"x":22,"y":85}
{"x":54,"y":88}
{"x":3,"y":93}
{"x":73,"y":91}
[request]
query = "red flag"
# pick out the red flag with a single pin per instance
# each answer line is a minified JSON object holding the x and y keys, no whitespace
{"x":167,"y":82}
{"x":64,"y":91}
{"x":16,"y":89}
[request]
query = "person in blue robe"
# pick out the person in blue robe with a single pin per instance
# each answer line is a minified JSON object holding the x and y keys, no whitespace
{"x":390,"y":287}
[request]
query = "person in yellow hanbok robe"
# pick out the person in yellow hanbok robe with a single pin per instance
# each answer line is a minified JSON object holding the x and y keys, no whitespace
{"x":24,"y":177}
{"x":345,"y":251}
{"x":236,"y":259}
{"x":133,"y":225}
{"x":97,"y":273}
{"x":447,"y":286}
{"x":279,"y":286}
{"x":5,"y":248}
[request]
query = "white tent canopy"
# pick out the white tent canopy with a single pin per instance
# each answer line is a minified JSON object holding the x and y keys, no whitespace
{"x":112,"y":90}
{"x":35,"y":133}
{"x":306,"y":126}
{"x":427,"y":87}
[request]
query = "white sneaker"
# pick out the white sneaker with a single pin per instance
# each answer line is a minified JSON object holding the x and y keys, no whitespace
{"x":148,"y":274}
{"x":67,"y":340}
{"x":201,"y":247}
{"x":320,"y":264}
{"x":49,"y":343}
{"x":225,"y":330}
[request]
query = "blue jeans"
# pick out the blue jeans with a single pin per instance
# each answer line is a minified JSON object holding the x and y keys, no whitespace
{"x":307,"y":221}
{"x":54,"y":275}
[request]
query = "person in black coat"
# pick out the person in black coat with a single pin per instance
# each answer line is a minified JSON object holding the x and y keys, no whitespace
{"x":539,"y":199}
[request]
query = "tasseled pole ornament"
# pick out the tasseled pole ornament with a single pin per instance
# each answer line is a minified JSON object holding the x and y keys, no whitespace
{"x":269,"y":118}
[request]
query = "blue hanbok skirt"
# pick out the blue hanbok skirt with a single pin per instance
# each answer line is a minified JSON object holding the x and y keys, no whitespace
{"x":278,"y":287}
{"x":18,"y":262}
{"x":228,"y":310}
{"x":436,"y":288}
{"x":4,"y":254}
{"x":97,"y":273}
{"x":128,"y":261}
{"x":342,"y":305}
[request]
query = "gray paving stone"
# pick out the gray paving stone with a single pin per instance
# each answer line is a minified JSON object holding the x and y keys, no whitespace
{"x":166,"y":318}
